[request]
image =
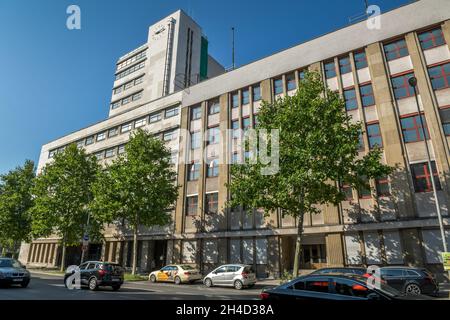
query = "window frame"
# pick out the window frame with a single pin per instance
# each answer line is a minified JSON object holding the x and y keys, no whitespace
{"x":190,"y":205}
{"x":442,"y":75}
{"x":212,"y":202}
{"x":432,"y":37}
{"x":425,"y":176}
{"x":397,"y":49}
{"x":405,"y":85}
{"x":345,"y":66}
{"x":329,"y":71}
{"x":276,"y":87}
{"x":353,"y":99}
{"x":416,"y":127}
{"x":378,"y":135}
{"x":365,"y":94}
{"x":359,"y":61}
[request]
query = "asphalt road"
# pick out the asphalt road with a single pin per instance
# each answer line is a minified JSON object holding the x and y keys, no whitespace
{"x":49,"y":287}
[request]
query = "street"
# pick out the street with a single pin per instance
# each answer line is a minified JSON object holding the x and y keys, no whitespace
{"x":51,"y":287}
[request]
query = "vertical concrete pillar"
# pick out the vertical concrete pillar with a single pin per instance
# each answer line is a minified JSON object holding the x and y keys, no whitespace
{"x":335,"y":250}
{"x":273,"y":257}
{"x":224,"y":160}
{"x":412,"y":247}
{"x":144,"y":256}
{"x":179,"y":210}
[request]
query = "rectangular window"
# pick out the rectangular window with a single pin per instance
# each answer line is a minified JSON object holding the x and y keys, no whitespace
{"x":196,"y":112}
{"x":213,"y":168}
{"x":121,"y":149}
{"x":256,"y":93}
{"x":118,"y":90}
{"x":125,"y":127}
{"x":374,"y":135}
{"x":421,"y":177}
{"x":290,"y":82}
{"x":367,"y":96}
{"x":344,"y":65}
{"x":401,"y":87}
{"x":235,"y":128}
{"x":89,"y":140}
{"x":140,"y":122}
{"x":212,"y":202}
{"x":330,"y":70}
{"x":191,"y":205}
{"x":445,"y":119}
{"x":360,"y":60}
{"x":440,"y":76}
{"x":155,"y":117}
{"x":51,"y":154}
{"x":196,"y":140}
{"x":213,"y":107}
{"x":395,"y":50}
{"x":99,"y":155}
{"x":170,"y":135}
{"x":193,"y":171}
{"x":80,"y":144}
{"x":138,"y":80}
{"x":172,"y":112}
{"x":246,"y":124}
{"x":255,"y":121}
{"x":126,"y":100}
{"x":278,"y":86}
{"x":115,"y":105}
{"x":245,"y":96}
{"x":128,"y":85}
{"x":101,"y":136}
{"x":213,"y":135}
{"x":301,"y":75}
{"x":348,"y":191}
{"x":235,"y":100}
{"x":382,"y":185}
{"x":364,"y":191}
{"x":350,"y":99}
{"x":113,"y":132}
{"x":110,"y":153}
{"x":431,"y":39}
{"x":137,"y":96}
{"x":412,"y":128}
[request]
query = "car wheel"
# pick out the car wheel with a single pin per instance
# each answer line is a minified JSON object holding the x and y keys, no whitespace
{"x":238,"y":285}
{"x":413,"y":289}
{"x":115,"y":288}
{"x":153,"y":278}
{"x":208,"y":282}
{"x":177,"y":280}
{"x":93,"y":284}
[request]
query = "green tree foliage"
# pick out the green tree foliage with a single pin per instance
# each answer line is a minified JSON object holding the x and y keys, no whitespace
{"x":15,"y":203}
{"x":138,"y":187}
{"x":318,"y":149}
{"x":63,"y":193}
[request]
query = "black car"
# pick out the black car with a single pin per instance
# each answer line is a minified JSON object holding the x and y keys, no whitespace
{"x":327,"y":287}
{"x":94,"y":274}
{"x":409,"y":280}
{"x":12,"y":272}
{"x":350,"y":270}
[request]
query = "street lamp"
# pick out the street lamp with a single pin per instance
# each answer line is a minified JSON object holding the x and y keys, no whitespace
{"x":413,"y":83}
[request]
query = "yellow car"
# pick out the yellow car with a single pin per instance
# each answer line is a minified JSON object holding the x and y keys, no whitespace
{"x":176,"y":273}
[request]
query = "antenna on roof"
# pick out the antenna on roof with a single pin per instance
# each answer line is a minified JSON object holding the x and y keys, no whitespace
{"x":232,"y":50}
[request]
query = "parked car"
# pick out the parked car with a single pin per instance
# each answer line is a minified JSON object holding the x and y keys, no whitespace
{"x":234,"y":275}
{"x":409,"y":280}
{"x":350,"y":270}
{"x":322,"y":287}
{"x":12,"y":272}
{"x":94,"y":274}
{"x":176,"y":273}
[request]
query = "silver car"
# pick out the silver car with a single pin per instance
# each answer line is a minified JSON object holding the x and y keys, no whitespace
{"x":233,"y":275}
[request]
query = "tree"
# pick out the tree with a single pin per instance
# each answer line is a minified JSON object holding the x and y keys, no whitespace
{"x":63,"y":193}
{"x":138,"y":187}
{"x":15,"y":203}
{"x":318,"y":150}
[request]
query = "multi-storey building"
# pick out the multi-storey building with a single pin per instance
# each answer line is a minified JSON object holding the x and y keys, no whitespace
{"x":395,"y":222}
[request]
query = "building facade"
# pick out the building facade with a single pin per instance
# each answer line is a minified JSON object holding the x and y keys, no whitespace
{"x":393,"y":223}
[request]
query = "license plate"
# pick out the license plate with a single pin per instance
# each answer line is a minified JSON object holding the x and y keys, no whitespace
{"x":17,"y":280}
{"x":115,"y":279}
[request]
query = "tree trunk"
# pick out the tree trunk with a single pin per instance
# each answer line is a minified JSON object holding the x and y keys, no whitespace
{"x":298,"y":245}
{"x":63,"y":257}
{"x":3,"y":251}
{"x":135,"y":249}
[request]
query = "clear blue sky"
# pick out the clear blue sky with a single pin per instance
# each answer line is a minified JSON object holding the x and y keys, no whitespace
{"x":54,"y":81}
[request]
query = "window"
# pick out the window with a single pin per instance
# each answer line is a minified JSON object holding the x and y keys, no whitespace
{"x":137,"y":96}
{"x":234,"y":100}
{"x":374,"y":135}
{"x":301,"y":75}
{"x":89,"y":140}
{"x":125,"y":127}
{"x":118,"y":90}
{"x":440,"y":76}
{"x":235,"y":128}
{"x":99,"y":155}
{"x":422,"y":178}
{"x":140,"y":123}
{"x":171,"y":112}
{"x":445,"y":119}
{"x":245,"y":97}
{"x":130,"y":70}
{"x":360,"y":60}
{"x":347,"y":287}
{"x":138,"y":80}
{"x":128,"y":85}
{"x":110,"y":153}
{"x":395,"y":50}
{"x":101,"y":136}
{"x":126,"y":100}
{"x":290,"y":82}
{"x":235,"y":158}
{"x":213,"y":168}
{"x":256,"y":93}
{"x":212,"y":203}
{"x":431,"y":39}
{"x":350,"y":99}
{"x":115,"y":104}
{"x":213,"y":107}
{"x":191,"y":205}
{"x":121,"y":149}
{"x":312,"y":284}
{"x":382,"y":186}
{"x":344,"y":65}
{"x":330,"y":70}
{"x":193,"y":171}
{"x":51,"y":154}
{"x":412,"y":128}
{"x":113,"y":132}
{"x":255,"y":121}
{"x":169,"y":135}
{"x":80,"y":144}
{"x":401,"y":87}
{"x":278,"y":85}
{"x":196,"y":112}
{"x":213,"y":135}
{"x":367,"y":96}
{"x":155,"y":117}
{"x":196,"y":140}
{"x":246,"y":124}
{"x":364,"y":189}
{"x":348,"y":191}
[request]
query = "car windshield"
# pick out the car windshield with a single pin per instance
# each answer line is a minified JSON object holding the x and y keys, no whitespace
{"x":186,"y":267}
{"x":9,"y":263}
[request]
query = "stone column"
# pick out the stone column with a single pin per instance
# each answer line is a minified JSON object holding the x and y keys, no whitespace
{"x":335,"y":250}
